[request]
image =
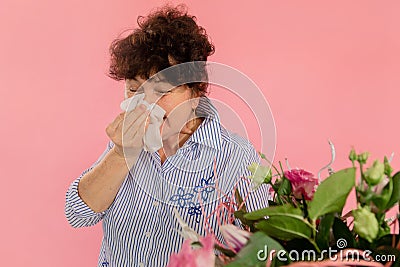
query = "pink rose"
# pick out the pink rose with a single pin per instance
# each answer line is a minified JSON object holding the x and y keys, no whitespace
{"x":303,"y":183}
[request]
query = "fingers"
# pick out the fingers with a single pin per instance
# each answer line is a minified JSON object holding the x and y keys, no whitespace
{"x":117,"y":121}
{"x":127,"y":129}
{"x":133,"y":125}
{"x":139,"y":128}
{"x":132,"y":139}
{"x":112,"y":128}
{"x":131,"y":116}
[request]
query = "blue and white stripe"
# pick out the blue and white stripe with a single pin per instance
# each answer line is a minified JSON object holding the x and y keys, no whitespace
{"x":139,"y":227}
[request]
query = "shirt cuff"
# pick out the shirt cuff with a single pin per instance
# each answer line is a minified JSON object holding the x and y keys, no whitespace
{"x":78,"y":206}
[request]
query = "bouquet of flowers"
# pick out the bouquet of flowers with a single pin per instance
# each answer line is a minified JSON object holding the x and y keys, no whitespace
{"x":305,"y":225}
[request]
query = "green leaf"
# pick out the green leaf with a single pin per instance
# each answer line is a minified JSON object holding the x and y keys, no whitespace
{"x":299,"y":245}
{"x":341,"y":231}
{"x":332,"y":193}
{"x":285,"y":228}
{"x":247,"y":256}
{"x":285,"y":188}
{"x":277,"y":263}
{"x":225,"y":251}
{"x":285,"y":210}
{"x":324,"y":231}
{"x":383,"y":198}
{"x":239,"y":214}
{"x":395,"y":197}
{"x":272,"y":203}
{"x":387,"y":240}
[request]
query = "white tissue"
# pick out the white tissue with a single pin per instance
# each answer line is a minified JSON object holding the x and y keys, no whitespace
{"x":152,"y":137}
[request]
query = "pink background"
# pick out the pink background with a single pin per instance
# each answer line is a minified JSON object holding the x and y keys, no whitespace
{"x":329,"y":69}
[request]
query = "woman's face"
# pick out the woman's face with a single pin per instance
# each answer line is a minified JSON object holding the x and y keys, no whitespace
{"x":178,"y":103}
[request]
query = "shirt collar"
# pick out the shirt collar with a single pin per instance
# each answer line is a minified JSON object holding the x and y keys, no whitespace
{"x":209,"y":131}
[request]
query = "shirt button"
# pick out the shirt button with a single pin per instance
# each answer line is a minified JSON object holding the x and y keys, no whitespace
{"x":155,"y":204}
{"x":148,"y":234}
{"x":141,"y":264}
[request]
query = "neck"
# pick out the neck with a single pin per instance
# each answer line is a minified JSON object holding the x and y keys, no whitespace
{"x":173,"y":143}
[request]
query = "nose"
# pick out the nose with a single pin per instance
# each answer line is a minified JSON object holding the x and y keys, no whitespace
{"x":150,"y":95}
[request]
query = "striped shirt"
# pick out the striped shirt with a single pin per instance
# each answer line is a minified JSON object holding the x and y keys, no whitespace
{"x":139,"y":227}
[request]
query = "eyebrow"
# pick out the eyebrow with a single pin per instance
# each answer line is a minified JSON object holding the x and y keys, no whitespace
{"x":134,"y":81}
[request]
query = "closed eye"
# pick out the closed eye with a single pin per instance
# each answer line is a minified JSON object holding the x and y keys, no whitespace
{"x":136,"y":90}
{"x":162,"y":92}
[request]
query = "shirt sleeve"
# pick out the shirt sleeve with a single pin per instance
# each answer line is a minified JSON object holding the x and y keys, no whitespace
{"x":79,"y":214}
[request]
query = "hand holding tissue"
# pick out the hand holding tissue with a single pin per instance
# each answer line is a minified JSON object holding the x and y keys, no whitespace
{"x":152,"y":137}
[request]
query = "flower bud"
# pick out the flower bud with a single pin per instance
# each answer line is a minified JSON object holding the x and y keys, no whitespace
{"x":253,"y":167}
{"x":365,"y":223}
{"x":375,"y":174}
{"x":388,"y":168}
{"x":234,"y":237}
{"x":260,"y":174}
{"x":363,"y":157}
{"x":353,"y":155}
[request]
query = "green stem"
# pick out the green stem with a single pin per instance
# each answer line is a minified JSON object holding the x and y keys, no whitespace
{"x":269,"y":162}
{"x":361,"y":185}
{"x":280,"y":164}
{"x":362,"y":174}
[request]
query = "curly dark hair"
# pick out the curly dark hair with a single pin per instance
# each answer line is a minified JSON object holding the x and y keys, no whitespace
{"x":166,"y":37}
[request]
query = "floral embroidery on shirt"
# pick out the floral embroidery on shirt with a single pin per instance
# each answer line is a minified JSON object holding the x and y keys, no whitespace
{"x":195,"y":210}
{"x":206,"y":186}
{"x":181,"y":197}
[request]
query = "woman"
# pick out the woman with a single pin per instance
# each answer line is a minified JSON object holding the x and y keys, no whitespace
{"x":136,"y":192}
